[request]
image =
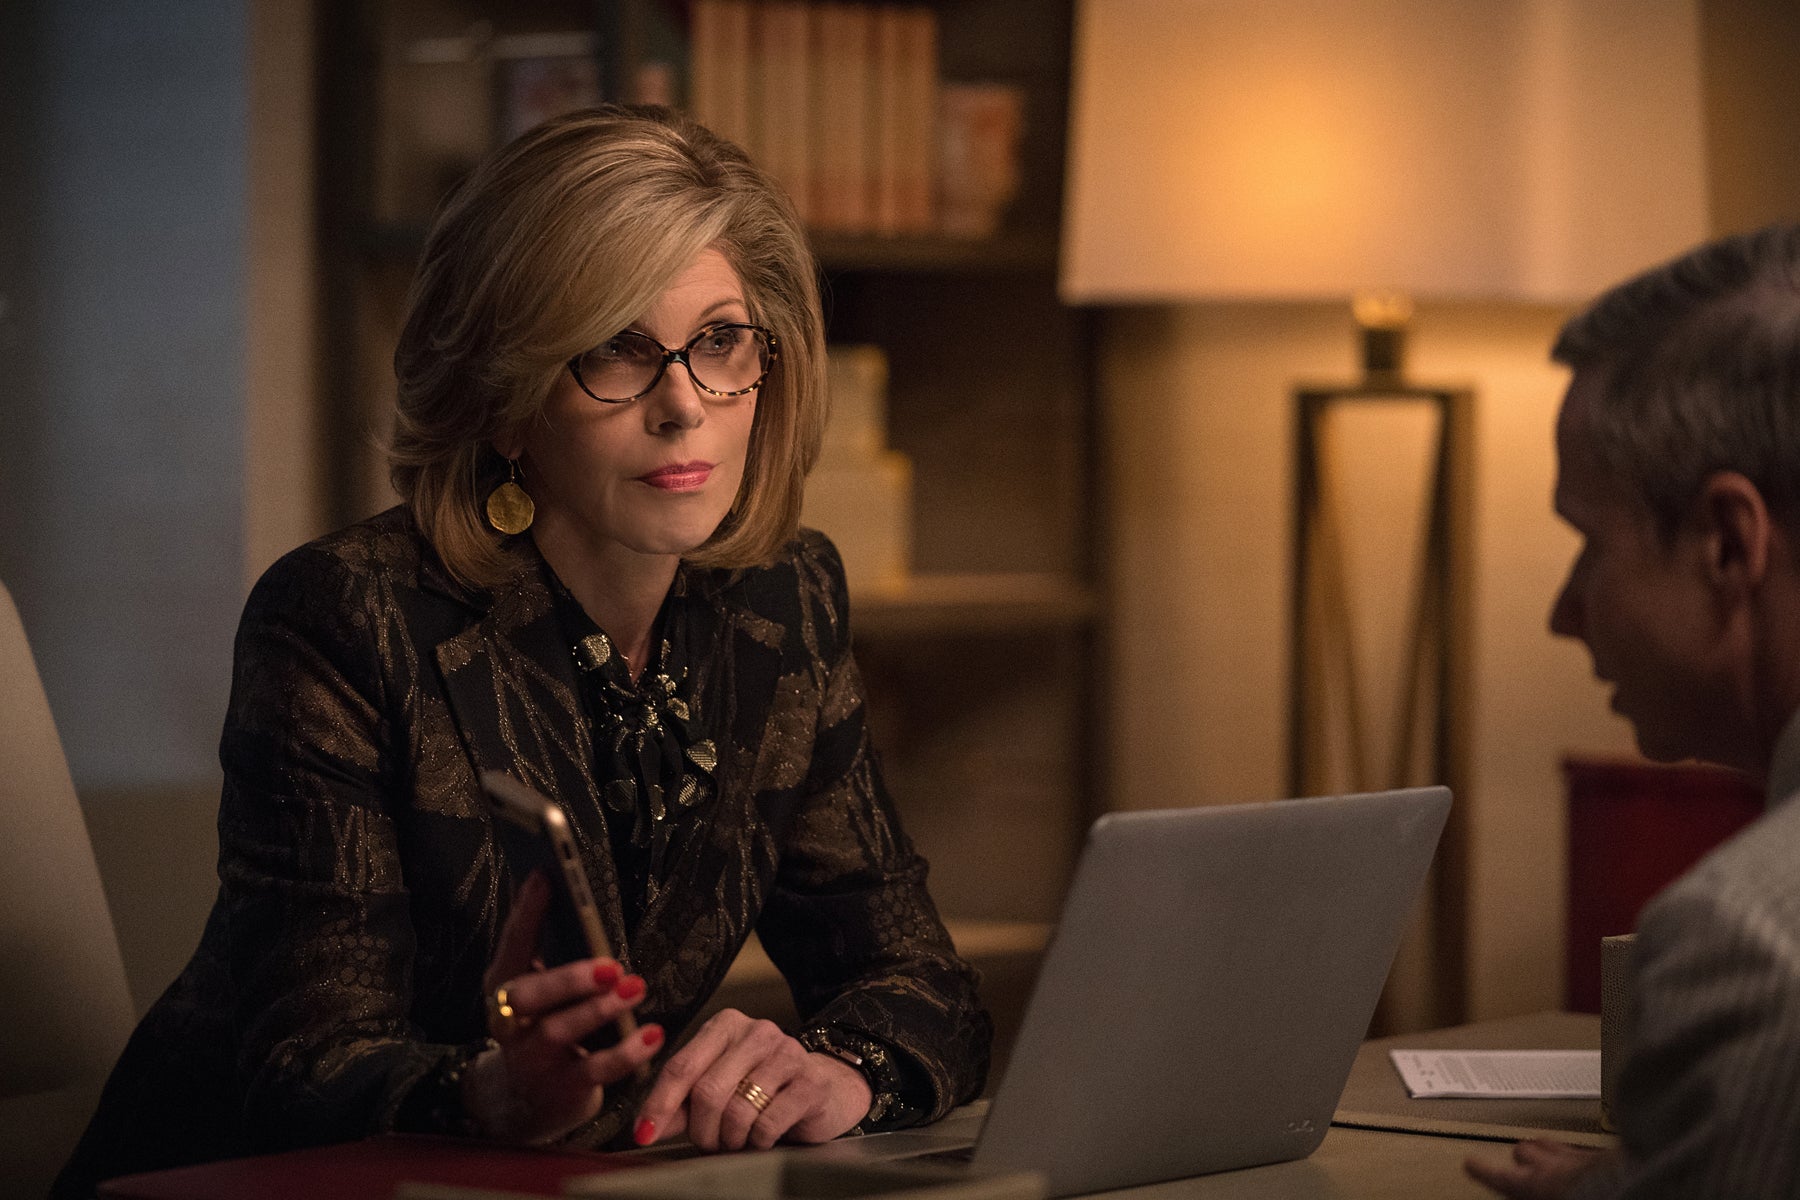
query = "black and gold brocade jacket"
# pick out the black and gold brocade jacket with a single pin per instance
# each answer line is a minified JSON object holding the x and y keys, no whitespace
{"x":362,"y":887}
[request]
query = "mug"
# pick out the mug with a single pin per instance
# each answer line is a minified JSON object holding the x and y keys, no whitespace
{"x":1615,"y":1018}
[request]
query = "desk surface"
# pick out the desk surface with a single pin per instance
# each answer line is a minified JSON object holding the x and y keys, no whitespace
{"x":1351,"y":1163}
{"x":1418,"y":1146}
{"x":1374,"y":1098}
{"x":1348,"y":1165}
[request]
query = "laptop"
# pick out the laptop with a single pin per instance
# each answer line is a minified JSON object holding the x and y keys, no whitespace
{"x":1203,"y":997}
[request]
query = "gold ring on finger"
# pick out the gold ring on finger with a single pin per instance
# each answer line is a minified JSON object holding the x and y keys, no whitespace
{"x":503,"y":1019}
{"x":751,"y":1094}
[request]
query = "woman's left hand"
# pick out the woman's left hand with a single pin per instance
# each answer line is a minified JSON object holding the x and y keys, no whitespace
{"x":711,"y":1086}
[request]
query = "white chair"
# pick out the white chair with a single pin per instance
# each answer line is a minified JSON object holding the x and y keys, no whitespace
{"x":65,"y":1010}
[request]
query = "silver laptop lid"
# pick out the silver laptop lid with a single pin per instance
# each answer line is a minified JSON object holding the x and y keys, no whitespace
{"x":1210,"y":979}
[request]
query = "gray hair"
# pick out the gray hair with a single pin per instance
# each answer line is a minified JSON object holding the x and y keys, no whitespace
{"x":1700,"y":367}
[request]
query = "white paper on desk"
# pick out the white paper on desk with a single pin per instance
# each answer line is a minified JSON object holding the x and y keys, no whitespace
{"x":1500,"y":1074}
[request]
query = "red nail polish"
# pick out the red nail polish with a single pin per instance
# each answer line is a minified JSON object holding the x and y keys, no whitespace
{"x":631,"y":987}
{"x":652,"y":1035}
{"x":606,"y":974}
{"x":645,"y":1133}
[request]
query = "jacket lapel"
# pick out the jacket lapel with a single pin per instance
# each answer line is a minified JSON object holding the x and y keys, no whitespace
{"x":510,"y":684}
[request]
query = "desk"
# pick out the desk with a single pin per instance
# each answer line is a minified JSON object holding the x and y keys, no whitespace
{"x":1385,"y":1143}
{"x":1420,"y":1154}
{"x":1374,"y":1098}
{"x":1350,"y":1164}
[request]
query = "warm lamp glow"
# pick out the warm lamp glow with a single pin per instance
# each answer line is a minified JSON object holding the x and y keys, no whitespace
{"x":1382,"y":310}
{"x":1522,"y":149}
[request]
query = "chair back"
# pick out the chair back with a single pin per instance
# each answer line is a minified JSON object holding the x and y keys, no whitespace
{"x":65,"y":1009}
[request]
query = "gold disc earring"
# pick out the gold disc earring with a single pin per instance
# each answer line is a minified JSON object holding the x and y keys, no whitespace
{"x":509,"y":509}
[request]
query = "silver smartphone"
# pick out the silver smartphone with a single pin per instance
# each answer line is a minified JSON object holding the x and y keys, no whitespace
{"x":534,"y":834}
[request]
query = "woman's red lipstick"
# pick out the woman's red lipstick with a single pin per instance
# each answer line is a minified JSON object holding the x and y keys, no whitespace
{"x":679,"y":477}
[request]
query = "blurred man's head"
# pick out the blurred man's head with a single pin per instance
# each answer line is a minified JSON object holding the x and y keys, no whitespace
{"x":1678,"y":452}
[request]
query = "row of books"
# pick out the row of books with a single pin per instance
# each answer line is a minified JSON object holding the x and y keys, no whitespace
{"x":843,"y":103}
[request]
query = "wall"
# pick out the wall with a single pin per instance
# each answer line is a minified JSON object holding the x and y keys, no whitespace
{"x":283,"y":504}
{"x":156,"y":346}
{"x":126,"y":553}
{"x":1751,"y":52}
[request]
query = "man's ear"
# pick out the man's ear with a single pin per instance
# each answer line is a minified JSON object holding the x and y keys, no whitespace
{"x":1735,"y":529}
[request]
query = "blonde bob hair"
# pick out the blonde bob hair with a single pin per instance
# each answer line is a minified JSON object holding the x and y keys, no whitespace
{"x":555,"y":243}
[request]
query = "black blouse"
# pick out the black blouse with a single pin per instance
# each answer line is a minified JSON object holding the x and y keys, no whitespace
{"x":658,"y":758}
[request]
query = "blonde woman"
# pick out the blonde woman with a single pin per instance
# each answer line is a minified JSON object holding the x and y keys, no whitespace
{"x":610,"y":391}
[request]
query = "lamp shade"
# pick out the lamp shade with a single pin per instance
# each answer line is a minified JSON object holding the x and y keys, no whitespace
{"x":1305,"y":149}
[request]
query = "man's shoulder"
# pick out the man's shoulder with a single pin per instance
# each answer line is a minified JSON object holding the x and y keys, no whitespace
{"x":1717,"y":1024}
{"x":1758,"y":861}
{"x":1748,"y":886}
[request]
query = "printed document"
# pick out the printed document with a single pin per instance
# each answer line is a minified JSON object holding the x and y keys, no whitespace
{"x":1508,"y":1074}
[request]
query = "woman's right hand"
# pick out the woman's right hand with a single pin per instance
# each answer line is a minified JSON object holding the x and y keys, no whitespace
{"x":540,"y":1082}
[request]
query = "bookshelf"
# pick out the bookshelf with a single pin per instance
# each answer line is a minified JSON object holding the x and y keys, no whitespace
{"x":983,"y":664}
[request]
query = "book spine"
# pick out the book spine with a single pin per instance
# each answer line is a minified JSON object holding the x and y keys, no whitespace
{"x":887,"y":70}
{"x":918,"y":174}
{"x":720,"y":69}
{"x":854,"y":102}
{"x":831,"y":203}
{"x":758,"y":43}
{"x":705,"y":86}
{"x":799,"y":61}
{"x":739,"y":116}
{"x":781,"y":90}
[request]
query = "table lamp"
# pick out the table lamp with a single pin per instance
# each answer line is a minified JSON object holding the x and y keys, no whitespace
{"x":1382,"y":152}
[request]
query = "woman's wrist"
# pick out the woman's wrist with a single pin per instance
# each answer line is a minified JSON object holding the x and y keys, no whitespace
{"x":851,"y":1095}
{"x":869,"y":1058}
{"x":438,"y":1102}
{"x":486,"y":1096}
{"x":495,"y":1108}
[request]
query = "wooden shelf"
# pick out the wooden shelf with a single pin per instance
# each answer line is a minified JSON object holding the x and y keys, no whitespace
{"x":977,"y":603}
{"x":1007,"y":253}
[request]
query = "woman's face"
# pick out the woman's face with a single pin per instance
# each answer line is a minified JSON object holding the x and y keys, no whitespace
{"x":657,"y":474}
